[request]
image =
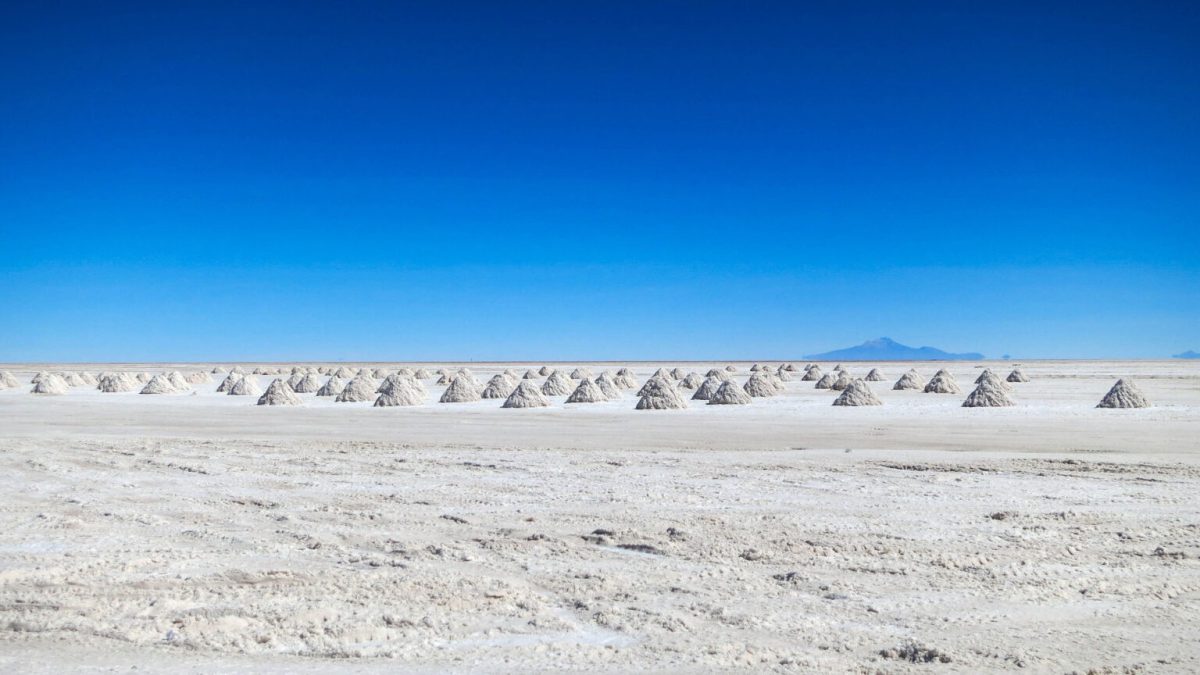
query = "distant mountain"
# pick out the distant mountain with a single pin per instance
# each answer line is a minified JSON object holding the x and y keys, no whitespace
{"x":887,"y":349}
{"x":1189,"y":354}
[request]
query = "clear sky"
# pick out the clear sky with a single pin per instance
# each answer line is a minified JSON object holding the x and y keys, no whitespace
{"x":607,"y":180}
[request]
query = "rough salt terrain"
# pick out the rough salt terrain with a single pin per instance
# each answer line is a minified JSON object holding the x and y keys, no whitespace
{"x":200,"y":532}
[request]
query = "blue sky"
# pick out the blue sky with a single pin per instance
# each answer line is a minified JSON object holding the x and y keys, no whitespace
{"x":597,"y":180}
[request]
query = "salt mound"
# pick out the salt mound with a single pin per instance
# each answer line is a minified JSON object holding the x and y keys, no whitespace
{"x":470,"y":376}
{"x":360,"y":388}
{"x":827,"y":380}
{"x":729,"y":394}
{"x":783,"y":374}
{"x":557,"y":385}
{"x":608,"y":386}
{"x":380,"y":373}
{"x":983,"y":375}
{"x":401,"y":392}
{"x":72,"y":379}
{"x":530,"y":375}
{"x":227,"y":384}
{"x":245,"y":386}
{"x":159,"y":384}
{"x":987,"y":395}
{"x":91,"y":381}
{"x":526,"y":395}
{"x":445,"y":378}
{"x":422,"y":374}
{"x":755,"y":368}
{"x":50,"y":384}
{"x":544,"y":371}
{"x":7,"y":380}
{"x":332,"y":387}
{"x":994,"y":380}
{"x":1017,"y":375}
{"x":198,"y":377}
{"x":661,"y":372}
{"x":663,"y":378}
{"x":587,"y":392}
{"x":461,"y":390}
{"x":144,"y":377}
{"x":708,"y":387}
{"x":731,"y":368}
{"x":1124,"y":394}
{"x":178,"y":381}
{"x":625,"y":379}
{"x":309,"y":384}
{"x":691,"y":381}
{"x":659,"y":394}
{"x":261,"y":371}
{"x":344,"y":372}
{"x":874,"y":376}
{"x":678,"y":373}
{"x":237,"y":370}
{"x":838,"y":367}
{"x":842,"y":381}
{"x":217,"y":370}
{"x":498,"y":387}
{"x":714,"y":372}
{"x":812,"y":374}
{"x":942,"y":383}
{"x":294,"y":380}
{"x":279,"y":393}
{"x":111,"y":383}
{"x":761,"y":386}
{"x":857,"y":393}
{"x":910,"y":380}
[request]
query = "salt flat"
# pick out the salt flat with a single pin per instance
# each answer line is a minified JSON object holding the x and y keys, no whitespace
{"x":197,"y":532}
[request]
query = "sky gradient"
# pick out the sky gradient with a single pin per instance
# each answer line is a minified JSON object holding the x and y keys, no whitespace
{"x":403,"y":181}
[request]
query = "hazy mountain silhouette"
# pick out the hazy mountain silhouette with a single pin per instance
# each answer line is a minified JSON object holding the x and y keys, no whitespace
{"x":1189,"y":354}
{"x":887,"y":349}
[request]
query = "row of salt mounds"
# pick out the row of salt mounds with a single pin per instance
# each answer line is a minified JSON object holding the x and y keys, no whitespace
{"x":910,"y":380}
{"x":461,"y":390}
{"x":279,"y":393}
{"x":624,"y":379}
{"x":587,"y":392}
{"x":874,"y":376}
{"x":557,"y":385}
{"x":8,"y":381}
{"x":247,"y":385}
{"x":361,"y":388}
{"x":942,"y":382}
{"x":113,"y":383}
{"x":762,"y":385}
{"x":526,"y":395}
{"x":1124,"y":394}
{"x":659,"y":394}
{"x":988,"y":394}
{"x":332,"y":387}
{"x":857,"y":393}
{"x":729,"y":393}
{"x":400,"y":390}
{"x":1017,"y":375}
{"x":50,"y":384}
{"x":708,"y":388}
{"x":813,"y":374}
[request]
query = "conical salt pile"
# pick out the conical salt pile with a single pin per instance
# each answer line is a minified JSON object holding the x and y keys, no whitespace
{"x":910,"y":380}
{"x":309,"y":384}
{"x":760,"y":386}
{"x":237,"y":370}
{"x":731,"y":368}
{"x":198,"y":377}
{"x":729,"y":393}
{"x":1017,"y":375}
{"x":827,"y":380}
{"x":50,"y":384}
{"x":461,"y":390}
{"x":987,"y":395}
{"x":858,"y":392}
{"x":530,"y":375}
{"x":144,"y":377}
{"x":344,"y":372}
{"x":526,"y":395}
{"x":986,"y":372}
{"x":178,"y":381}
{"x":332,"y":387}
{"x":422,"y":374}
{"x":707,"y":388}
{"x":874,"y":376}
{"x":380,"y":373}
{"x":227,"y":384}
{"x":361,"y":388}
{"x":544,"y":371}
{"x":691,"y":381}
{"x":942,"y":383}
{"x":661,"y":372}
{"x":659,"y":394}
{"x":608,"y":386}
{"x":662,"y":378}
{"x":841,"y":382}
{"x":624,"y":379}
{"x":159,"y":384}
{"x":1124,"y":394}
{"x":498,"y":387}
{"x":678,"y":373}
{"x":994,"y":380}
{"x":715,"y":372}
{"x":245,"y":386}
{"x":755,"y":368}
{"x":294,"y":380}
{"x":111,"y":383}
{"x":838,"y":367}
{"x":217,"y":370}
{"x":72,"y":379}
{"x":404,"y":391}
{"x":279,"y":393}
{"x":91,"y":381}
{"x":783,"y":374}
{"x":557,"y":384}
{"x":445,"y":378}
{"x":261,"y":371}
{"x":813,"y":374}
{"x":7,"y":381}
{"x":587,"y":392}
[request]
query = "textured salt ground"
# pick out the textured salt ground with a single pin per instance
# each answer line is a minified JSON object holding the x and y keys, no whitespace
{"x":182,"y":552}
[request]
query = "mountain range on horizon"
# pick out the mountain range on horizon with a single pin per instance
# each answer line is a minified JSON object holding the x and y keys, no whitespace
{"x":887,"y":349}
{"x":1189,"y":354}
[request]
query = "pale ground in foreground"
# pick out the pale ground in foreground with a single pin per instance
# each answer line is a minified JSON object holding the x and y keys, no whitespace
{"x":200,"y":532}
